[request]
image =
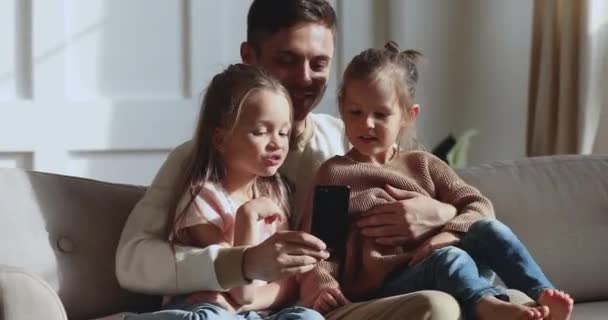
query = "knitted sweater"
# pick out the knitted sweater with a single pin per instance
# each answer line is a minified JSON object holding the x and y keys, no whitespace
{"x":367,"y":263}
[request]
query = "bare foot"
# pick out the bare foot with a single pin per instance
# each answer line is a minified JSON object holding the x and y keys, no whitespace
{"x":491,"y":308}
{"x":559,"y":303}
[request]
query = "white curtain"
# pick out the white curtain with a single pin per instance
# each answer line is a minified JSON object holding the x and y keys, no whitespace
{"x":568,"y":77}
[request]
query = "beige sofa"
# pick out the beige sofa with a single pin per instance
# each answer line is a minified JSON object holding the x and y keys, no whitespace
{"x":58,"y":235}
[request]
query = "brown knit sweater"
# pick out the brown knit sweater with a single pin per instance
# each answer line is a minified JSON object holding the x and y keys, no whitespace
{"x":366,"y":263}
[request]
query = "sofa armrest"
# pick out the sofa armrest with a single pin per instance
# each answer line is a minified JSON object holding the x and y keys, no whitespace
{"x":24,"y":295}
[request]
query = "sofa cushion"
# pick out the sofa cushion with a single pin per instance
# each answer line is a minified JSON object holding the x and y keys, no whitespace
{"x":558,"y":206}
{"x":66,"y":230}
{"x":590,"y":311}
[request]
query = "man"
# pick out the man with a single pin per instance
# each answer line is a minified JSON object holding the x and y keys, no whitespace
{"x":294,"y":40}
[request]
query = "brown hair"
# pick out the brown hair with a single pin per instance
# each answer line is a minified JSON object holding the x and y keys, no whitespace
{"x":267,"y":17}
{"x":221,"y":108}
{"x":387,"y":63}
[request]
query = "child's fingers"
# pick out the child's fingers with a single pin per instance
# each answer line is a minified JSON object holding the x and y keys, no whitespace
{"x":340,"y":298}
{"x":322,"y":304}
{"x":330,"y":300}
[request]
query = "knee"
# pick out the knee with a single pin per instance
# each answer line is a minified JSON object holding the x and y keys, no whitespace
{"x":490,"y":229}
{"x":448,"y":256}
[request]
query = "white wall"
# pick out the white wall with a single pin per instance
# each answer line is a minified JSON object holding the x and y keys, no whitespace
{"x":494,"y":78}
{"x":101,"y":91}
{"x":477,"y":73}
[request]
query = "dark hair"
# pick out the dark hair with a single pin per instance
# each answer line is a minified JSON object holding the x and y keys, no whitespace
{"x":388,"y":62}
{"x":267,"y":17}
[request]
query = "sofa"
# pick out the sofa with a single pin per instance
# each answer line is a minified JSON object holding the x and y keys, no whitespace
{"x":58,"y":235}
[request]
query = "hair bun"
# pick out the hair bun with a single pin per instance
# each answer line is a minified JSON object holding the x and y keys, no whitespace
{"x":392,"y":46}
{"x":412,"y":56}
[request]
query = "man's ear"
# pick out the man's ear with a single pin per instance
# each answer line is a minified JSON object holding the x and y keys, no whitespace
{"x":248,"y":54}
{"x":218,"y":139}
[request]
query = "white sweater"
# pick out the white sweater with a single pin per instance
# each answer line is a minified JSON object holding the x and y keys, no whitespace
{"x":145,"y":262}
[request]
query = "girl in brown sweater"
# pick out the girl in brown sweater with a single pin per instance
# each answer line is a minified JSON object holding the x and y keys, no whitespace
{"x":377,"y":104}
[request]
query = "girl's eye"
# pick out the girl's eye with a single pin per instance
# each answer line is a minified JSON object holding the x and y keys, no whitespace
{"x":258,"y":133}
{"x":380,"y":115}
{"x":354,"y":112}
{"x":284,"y":134}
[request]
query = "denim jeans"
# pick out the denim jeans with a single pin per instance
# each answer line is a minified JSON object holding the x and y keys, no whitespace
{"x":178,"y":310}
{"x":458,"y":270}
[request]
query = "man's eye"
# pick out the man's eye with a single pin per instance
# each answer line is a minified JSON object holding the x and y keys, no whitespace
{"x":286,"y":59}
{"x":319,"y":65}
{"x":355,"y":112}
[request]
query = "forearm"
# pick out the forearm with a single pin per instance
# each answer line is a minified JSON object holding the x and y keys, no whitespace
{"x":151,"y":266}
{"x":444,"y":213}
{"x":435,"y":220}
{"x":245,"y":234}
{"x":471,"y":207}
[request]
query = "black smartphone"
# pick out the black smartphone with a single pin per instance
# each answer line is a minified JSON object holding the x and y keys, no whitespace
{"x":330,"y":216}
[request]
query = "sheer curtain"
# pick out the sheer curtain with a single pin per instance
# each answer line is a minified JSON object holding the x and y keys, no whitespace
{"x":567,"y":77}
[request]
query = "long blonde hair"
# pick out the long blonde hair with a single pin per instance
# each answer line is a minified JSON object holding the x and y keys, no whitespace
{"x":221,"y":108}
{"x":388,"y":62}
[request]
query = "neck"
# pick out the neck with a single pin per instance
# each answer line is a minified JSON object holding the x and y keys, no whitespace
{"x":380,"y":158}
{"x":239,"y":186}
{"x":298,"y":127}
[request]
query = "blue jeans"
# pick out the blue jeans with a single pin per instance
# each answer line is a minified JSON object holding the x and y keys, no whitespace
{"x":457,"y":270}
{"x":177,"y":309}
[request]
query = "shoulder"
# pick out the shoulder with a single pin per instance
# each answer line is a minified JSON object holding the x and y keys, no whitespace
{"x":328,"y":167}
{"x":328,"y":134}
{"x":174,"y":163}
{"x":420,"y":160}
{"x":325,"y":121}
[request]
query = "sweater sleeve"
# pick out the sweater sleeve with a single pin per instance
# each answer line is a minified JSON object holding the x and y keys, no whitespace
{"x":146,"y":262}
{"x":470,"y":204}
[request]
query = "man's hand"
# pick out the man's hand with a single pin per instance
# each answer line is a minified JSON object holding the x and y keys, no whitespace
{"x":283,"y":254}
{"x":408,"y":220}
{"x":328,"y":300}
{"x":438,"y":241}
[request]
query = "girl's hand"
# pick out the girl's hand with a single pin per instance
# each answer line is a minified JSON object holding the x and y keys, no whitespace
{"x":262,"y":208}
{"x":328,"y":300}
{"x":440,"y":240}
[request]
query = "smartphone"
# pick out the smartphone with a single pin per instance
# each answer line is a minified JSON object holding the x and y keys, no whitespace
{"x":330,"y":216}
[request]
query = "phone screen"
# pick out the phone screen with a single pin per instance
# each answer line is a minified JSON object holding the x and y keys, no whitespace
{"x":330,"y":216}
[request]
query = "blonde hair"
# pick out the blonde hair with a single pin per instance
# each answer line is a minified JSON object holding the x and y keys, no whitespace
{"x":221,"y":108}
{"x":387,"y":63}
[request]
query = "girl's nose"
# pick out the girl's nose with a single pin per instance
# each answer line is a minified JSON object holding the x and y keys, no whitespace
{"x":274,"y":144}
{"x":369,"y":122}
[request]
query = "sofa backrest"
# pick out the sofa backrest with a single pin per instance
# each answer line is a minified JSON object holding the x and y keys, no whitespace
{"x":66,"y":230}
{"x":558,"y":206}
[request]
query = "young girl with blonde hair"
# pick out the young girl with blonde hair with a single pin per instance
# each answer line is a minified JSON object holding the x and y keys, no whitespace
{"x":230,"y":194}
